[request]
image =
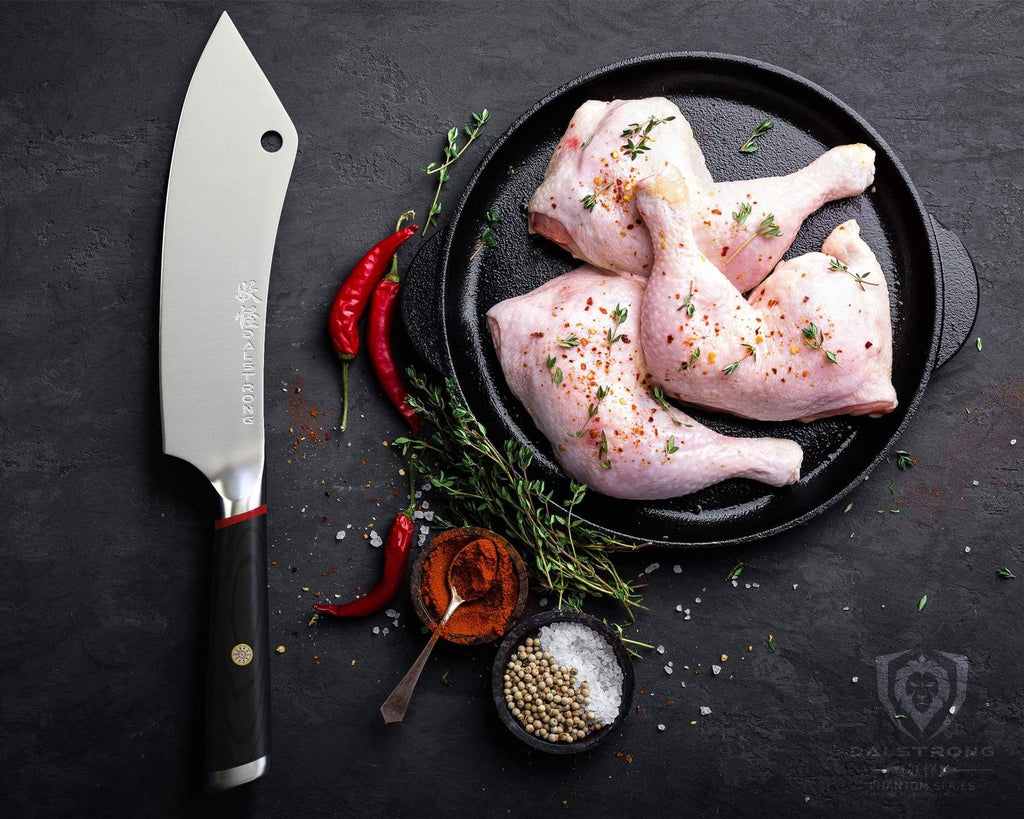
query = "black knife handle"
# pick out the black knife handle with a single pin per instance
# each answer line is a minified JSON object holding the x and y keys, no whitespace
{"x":238,"y":680}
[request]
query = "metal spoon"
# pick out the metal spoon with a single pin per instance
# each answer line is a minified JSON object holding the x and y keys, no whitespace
{"x":395,"y":706}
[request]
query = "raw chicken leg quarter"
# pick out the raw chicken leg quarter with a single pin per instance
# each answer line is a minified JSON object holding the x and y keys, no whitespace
{"x":570,"y":353}
{"x":814,"y":340}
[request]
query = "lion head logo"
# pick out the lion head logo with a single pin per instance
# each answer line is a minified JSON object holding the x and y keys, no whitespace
{"x":922,"y":690}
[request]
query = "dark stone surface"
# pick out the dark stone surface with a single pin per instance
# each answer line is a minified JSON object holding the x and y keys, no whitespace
{"x":106,"y":542}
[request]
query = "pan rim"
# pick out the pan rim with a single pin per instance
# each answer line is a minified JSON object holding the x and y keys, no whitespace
{"x":735,"y":62}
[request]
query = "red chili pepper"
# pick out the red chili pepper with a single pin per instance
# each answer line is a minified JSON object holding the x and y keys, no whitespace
{"x":350,"y":302}
{"x":378,"y":337}
{"x":396,"y":558}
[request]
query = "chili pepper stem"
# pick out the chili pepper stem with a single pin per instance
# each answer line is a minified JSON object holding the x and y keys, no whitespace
{"x":344,"y":391}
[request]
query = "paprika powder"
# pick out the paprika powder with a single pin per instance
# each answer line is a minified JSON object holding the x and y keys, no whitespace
{"x":492,"y":571}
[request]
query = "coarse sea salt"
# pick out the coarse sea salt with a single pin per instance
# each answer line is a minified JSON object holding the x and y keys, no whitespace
{"x":575,"y":645}
{"x":652,"y":568}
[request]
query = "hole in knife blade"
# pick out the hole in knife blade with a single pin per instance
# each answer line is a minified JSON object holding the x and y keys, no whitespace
{"x":271,"y":142}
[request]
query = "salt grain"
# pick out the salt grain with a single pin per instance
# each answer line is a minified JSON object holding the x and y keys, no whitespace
{"x":661,"y":726}
{"x":652,"y":568}
{"x":967,"y":548}
{"x":855,"y":679}
{"x":704,"y":710}
{"x":391,"y":614}
{"x":340,"y":535}
{"x":716,"y":669}
{"x":575,"y":645}
{"x":376,"y":629}
{"x":677,"y":569}
{"x":385,"y":630}
{"x":974,"y":483}
{"x":795,"y":585}
{"x":679,"y":607}
{"x":660,"y":649}
{"x":696,"y":600}
{"x":1013,"y":442}
{"x":668,"y":669}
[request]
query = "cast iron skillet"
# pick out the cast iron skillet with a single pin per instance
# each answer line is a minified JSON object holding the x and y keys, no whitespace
{"x":932,"y":283}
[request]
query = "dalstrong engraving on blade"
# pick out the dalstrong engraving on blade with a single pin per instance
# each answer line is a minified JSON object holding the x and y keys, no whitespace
{"x":248,"y":318}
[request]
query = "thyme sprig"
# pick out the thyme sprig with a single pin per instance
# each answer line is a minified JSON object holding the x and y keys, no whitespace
{"x":487,"y":485}
{"x":602,"y":452}
{"x":590,"y":200}
{"x":554,"y":372}
{"x":694,"y":358}
{"x":489,"y":238}
{"x":860,"y":278}
{"x":765,"y":230}
{"x":642,"y":133}
{"x":658,"y":394}
{"x":688,"y":304}
{"x":904,"y":460}
{"x":751,"y":351}
{"x":592,"y":409}
{"x":452,"y":151}
{"x":815,"y":339}
{"x":750,"y":146}
{"x":619,"y":316}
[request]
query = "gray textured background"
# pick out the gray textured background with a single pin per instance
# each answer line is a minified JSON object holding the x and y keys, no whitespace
{"x":104,"y":540}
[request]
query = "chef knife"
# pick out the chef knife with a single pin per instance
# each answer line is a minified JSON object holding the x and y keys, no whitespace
{"x":233,"y":156}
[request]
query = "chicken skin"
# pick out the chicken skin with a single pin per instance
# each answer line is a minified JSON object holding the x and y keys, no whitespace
{"x":570,"y":353}
{"x":587,"y":201}
{"x":814,"y":339}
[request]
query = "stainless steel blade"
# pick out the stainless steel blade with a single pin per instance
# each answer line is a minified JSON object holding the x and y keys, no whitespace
{"x":224,"y":200}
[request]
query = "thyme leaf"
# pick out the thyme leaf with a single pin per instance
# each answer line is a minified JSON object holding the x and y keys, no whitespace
{"x":815,"y":339}
{"x":670,"y":445}
{"x":688,"y":304}
{"x":641,"y":133}
{"x":743,"y":213}
{"x":750,"y":146}
{"x":694,"y":358}
{"x":489,"y":238}
{"x":904,"y":460}
{"x":766,"y":230}
{"x":860,"y":278}
{"x":571,"y":341}
{"x":658,"y":394}
{"x":1006,"y":574}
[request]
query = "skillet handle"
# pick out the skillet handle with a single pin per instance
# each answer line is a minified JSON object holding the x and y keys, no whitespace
{"x":959,"y":292}
{"x":421,"y":305}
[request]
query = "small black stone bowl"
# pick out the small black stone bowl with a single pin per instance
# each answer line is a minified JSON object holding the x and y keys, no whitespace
{"x":529,"y":628}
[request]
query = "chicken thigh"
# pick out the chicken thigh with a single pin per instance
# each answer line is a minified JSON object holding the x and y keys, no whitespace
{"x":587,"y":201}
{"x":814,"y":339}
{"x":570,"y":353}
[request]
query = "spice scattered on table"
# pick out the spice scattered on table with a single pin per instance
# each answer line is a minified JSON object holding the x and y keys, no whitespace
{"x":487,"y":617}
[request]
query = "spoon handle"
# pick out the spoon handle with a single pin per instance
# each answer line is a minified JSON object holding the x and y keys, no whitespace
{"x":395,"y":706}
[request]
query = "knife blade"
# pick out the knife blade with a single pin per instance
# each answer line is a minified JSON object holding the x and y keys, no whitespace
{"x":232,"y":159}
